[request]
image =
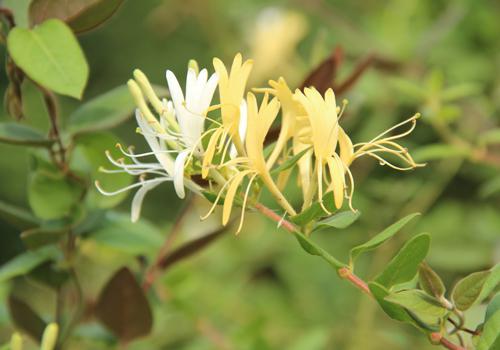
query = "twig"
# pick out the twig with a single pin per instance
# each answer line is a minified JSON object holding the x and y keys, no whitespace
{"x":345,"y":273}
{"x":358,"y":71}
{"x":437,"y":338}
{"x":467,"y":330}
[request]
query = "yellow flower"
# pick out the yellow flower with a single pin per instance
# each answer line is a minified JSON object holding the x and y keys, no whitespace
{"x":231,"y":92}
{"x":294,"y":125}
{"x":253,"y":164}
{"x":331,"y":167}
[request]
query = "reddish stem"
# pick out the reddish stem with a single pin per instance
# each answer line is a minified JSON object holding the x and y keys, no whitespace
{"x":347,"y":274}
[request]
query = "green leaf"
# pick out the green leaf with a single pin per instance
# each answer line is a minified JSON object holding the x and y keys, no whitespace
{"x":89,"y":156}
{"x":26,"y":318}
{"x":313,"y":249}
{"x":81,"y":15}
{"x":106,"y":110}
{"x":423,"y":306}
{"x":430,"y":281}
{"x":51,"y":56}
{"x":490,"y":137}
{"x":18,"y":217}
{"x":18,"y":134}
{"x":315,"y":211}
{"x":493,"y":307}
{"x":25,"y":262}
{"x":52,"y":195}
{"x":121,"y":235}
{"x":467,"y":290}
{"x":392,"y":310}
{"x":39,"y":237}
{"x":338,"y":220}
{"x":123,"y":308}
{"x":404,"y":266}
{"x":290,"y":162}
{"x":491,"y":285}
{"x":460,"y":91}
{"x":490,"y":336}
{"x":439,"y":151}
{"x":380,"y":238}
{"x":490,"y":187}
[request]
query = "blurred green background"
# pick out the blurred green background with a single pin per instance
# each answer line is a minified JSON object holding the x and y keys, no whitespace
{"x":258,"y":290}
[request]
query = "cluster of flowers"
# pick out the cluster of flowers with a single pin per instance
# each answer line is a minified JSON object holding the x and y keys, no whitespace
{"x":222,"y":146}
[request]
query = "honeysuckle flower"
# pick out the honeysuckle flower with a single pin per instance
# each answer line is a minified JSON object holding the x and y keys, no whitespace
{"x":231,"y":91}
{"x":253,"y":164}
{"x":331,"y":167}
{"x":178,"y":131}
{"x":294,"y":124}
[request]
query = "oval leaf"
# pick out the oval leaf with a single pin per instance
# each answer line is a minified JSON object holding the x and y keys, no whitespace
{"x":17,"y":217}
{"x":18,"y":134}
{"x":313,"y":249}
{"x":27,"y":261}
{"x":423,"y":306}
{"x":467,"y":290}
{"x":380,"y":238}
{"x":394,"y":311}
{"x":52,"y":196}
{"x":123,"y":308}
{"x":81,"y":15}
{"x":26,"y":319}
{"x":404,"y":266}
{"x":339,"y":220}
{"x":430,"y":281}
{"x":51,"y":56}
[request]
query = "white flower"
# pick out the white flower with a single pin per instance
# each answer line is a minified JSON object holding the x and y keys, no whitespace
{"x":162,"y":170}
{"x":190,"y":110}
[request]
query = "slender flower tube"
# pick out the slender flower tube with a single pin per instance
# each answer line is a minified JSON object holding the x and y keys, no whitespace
{"x":231,"y":91}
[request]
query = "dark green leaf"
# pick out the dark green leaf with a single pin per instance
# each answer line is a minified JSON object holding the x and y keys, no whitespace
{"x":105,"y":111}
{"x":38,"y":237}
{"x":315,"y":211}
{"x":290,"y":162}
{"x":313,"y":249}
{"x":51,"y":195}
{"x":49,"y":275}
{"x":430,"y":281}
{"x":467,"y":290}
{"x":18,"y":134}
{"x":404,"y":266}
{"x":25,"y":262}
{"x":123,"y":308}
{"x":26,"y":319}
{"x":81,"y":15}
{"x":51,"y":56}
{"x":423,"y":306}
{"x":18,"y":217}
{"x":394,"y":311}
{"x":380,"y":238}
{"x":339,"y":220}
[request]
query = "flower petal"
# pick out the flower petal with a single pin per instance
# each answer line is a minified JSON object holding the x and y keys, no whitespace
{"x":179,"y":173}
{"x":135,"y":212}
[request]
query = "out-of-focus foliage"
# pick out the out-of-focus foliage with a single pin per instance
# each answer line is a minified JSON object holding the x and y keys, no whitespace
{"x":62,"y":240}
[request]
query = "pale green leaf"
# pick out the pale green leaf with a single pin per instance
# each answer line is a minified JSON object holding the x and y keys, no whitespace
{"x":430,"y":281}
{"x":338,"y":220}
{"x":18,"y":134}
{"x":467,"y":290}
{"x":490,"y":336}
{"x":439,"y":151}
{"x":51,"y":56}
{"x":381,"y":237}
